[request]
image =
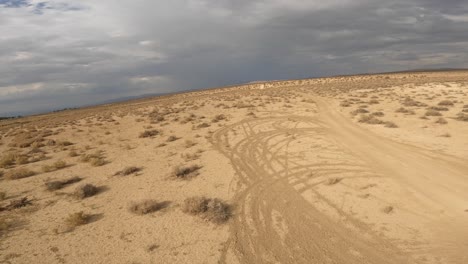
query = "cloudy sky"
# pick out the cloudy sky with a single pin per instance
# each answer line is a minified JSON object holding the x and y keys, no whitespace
{"x":60,"y":53}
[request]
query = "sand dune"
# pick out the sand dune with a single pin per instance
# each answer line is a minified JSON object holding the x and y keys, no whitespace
{"x":351,"y":169}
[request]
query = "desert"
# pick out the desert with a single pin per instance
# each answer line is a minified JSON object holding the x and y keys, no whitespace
{"x":347,"y":169}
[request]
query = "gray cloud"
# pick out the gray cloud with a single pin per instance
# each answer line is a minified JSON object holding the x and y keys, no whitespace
{"x":58,"y":53}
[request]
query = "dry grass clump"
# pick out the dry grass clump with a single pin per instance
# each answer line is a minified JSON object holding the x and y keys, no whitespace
{"x":72,"y":153}
{"x":3,"y":196}
{"x":149,"y":133}
{"x":172,"y":138}
{"x":462,"y":117}
{"x":213,"y":210}
{"x":85,"y":191}
{"x":438,"y":108}
{"x":387,"y":209}
{"x":77,"y":219}
{"x":186,"y":172}
{"x":19,"y":174}
{"x":441,"y":121}
{"x":57,"y":185}
{"x":218,"y":118}
{"x":359,"y":111}
{"x":145,"y":207}
{"x":95,"y":159}
{"x":390,"y":124}
{"x":11,"y":159}
{"x":203,"y":125}
{"x":15,"y":204}
{"x":189,"y":143}
{"x":373,"y":101}
{"x":345,"y":104}
{"x":369,"y":119}
{"x":128,"y":170}
{"x":333,"y":181}
{"x":431,"y":112}
{"x":60,"y":164}
{"x":379,"y":114}
{"x":410,"y":102}
{"x":446,"y":103}
{"x":405,"y":111}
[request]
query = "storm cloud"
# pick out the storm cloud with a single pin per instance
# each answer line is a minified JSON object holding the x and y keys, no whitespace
{"x":58,"y":53}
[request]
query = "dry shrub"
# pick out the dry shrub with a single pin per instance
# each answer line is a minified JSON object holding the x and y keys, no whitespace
{"x":186,"y":172}
{"x":77,"y":219}
{"x":359,"y":111}
{"x":15,"y":204}
{"x":149,"y":133}
{"x":11,"y":159}
{"x":19,"y":174}
{"x":390,"y":124}
{"x":387,"y":209}
{"x":189,"y":143}
{"x":203,"y":125}
{"x":405,"y":111}
{"x":345,"y":104}
{"x":462,"y":117}
{"x":57,"y":185}
{"x":438,"y":108}
{"x":446,"y":103}
{"x":214,"y":210}
{"x":373,"y":101}
{"x":441,"y":121}
{"x":410,"y":102}
{"x":85,"y":191}
{"x":379,"y":114}
{"x":60,"y":164}
{"x":172,"y":138}
{"x":95,"y":159}
{"x":73,"y":153}
{"x":432,"y":113}
{"x":369,"y":119}
{"x":145,"y":207}
{"x":218,"y":118}
{"x":333,"y":181}
{"x":3,"y":196}
{"x":128,"y":170}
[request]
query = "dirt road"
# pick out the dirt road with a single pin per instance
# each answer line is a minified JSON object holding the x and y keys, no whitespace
{"x":285,"y":214}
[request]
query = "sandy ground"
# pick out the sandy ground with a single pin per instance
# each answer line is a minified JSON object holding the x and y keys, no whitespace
{"x":334,"y":170}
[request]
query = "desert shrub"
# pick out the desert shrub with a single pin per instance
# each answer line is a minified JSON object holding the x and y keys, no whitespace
{"x":128,"y":170}
{"x":214,"y":210}
{"x":60,"y":164}
{"x":172,"y":138}
{"x":149,"y":133}
{"x":190,"y":157}
{"x":432,"y":113}
{"x":57,"y":185}
{"x":390,"y":124}
{"x":438,"y":108}
{"x":446,"y":103}
{"x":369,"y":119}
{"x":145,"y":207}
{"x":441,"y":121}
{"x":10,"y":159}
{"x":189,"y":143}
{"x":359,"y":111}
{"x":95,"y":159}
{"x":203,"y":125}
{"x":379,"y":114}
{"x":3,"y":196}
{"x":333,"y":181}
{"x":85,"y":191}
{"x":73,"y":153}
{"x":462,"y":117}
{"x":410,"y":102}
{"x":387,"y":209}
{"x":218,"y":118}
{"x":373,"y":101}
{"x":185,"y":172}
{"x":77,"y":219}
{"x":19,"y":174}
{"x":404,"y":111}
{"x":345,"y":104}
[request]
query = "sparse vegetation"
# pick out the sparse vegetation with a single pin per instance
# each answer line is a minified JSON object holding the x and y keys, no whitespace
{"x":85,"y":191}
{"x":369,"y":119}
{"x":57,"y":185}
{"x":128,"y":170}
{"x":77,"y":219}
{"x":186,"y":172}
{"x":60,"y":164}
{"x":19,"y":174}
{"x":95,"y":159}
{"x":214,"y":210}
{"x":390,"y":124}
{"x":149,"y":133}
{"x":441,"y":121}
{"x":446,"y":103}
{"x":432,"y":113}
{"x":145,"y":207}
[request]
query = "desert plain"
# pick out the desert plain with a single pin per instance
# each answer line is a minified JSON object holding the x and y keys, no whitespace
{"x":347,"y":169}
